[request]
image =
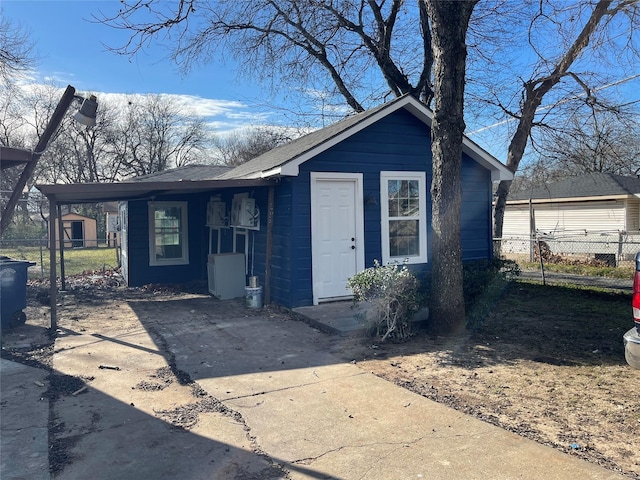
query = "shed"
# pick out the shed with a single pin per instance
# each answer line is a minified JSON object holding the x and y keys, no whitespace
{"x":79,"y":231}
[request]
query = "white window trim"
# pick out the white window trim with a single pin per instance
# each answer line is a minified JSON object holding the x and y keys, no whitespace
{"x":422,"y":217}
{"x":184,"y":229}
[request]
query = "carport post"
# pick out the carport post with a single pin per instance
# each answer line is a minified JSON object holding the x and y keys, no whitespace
{"x":53,"y":292}
{"x":267,"y":267}
{"x":63,"y":284}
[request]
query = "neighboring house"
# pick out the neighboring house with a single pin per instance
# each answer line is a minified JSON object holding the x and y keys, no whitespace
{"x":78,"y":231}
{"x":305,"y":216}
{"x":595,"y":207}
{"x":595,"y":202}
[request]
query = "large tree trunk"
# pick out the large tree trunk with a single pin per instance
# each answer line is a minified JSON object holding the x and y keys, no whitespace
{"x":449,"y":21}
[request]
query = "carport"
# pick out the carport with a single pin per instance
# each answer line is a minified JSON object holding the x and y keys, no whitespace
{"x":65,"y":194}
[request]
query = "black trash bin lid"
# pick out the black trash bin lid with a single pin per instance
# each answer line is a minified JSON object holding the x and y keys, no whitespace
{"x":4,"y":260}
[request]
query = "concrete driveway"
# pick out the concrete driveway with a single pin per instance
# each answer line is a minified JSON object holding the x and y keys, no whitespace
{"x":196,"y":388}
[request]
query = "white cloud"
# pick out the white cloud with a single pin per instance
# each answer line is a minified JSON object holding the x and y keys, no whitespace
{"x":223,"y":116}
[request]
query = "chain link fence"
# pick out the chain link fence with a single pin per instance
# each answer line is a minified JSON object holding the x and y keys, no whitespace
{"x":98,"y":255}
{"x":603,"y":259}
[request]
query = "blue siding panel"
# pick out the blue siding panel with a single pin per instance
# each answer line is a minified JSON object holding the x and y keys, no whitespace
{"x":398,"y":142}
{"x":281,"y":283}
{"x":140,"y":272}
{"x":476,"y":212}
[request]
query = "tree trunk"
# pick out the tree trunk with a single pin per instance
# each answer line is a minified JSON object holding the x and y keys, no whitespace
{"x":449,"y":20}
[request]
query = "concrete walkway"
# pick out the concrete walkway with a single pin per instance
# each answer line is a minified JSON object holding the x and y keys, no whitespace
{"x":289,"y":409}
{"x":24,"y":420}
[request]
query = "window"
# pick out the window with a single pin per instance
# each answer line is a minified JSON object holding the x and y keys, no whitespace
{"x":168,"y":243}
{"x":404,"y":217}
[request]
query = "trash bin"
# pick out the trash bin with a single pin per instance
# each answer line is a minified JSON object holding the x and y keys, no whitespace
{"x":13,"y":291}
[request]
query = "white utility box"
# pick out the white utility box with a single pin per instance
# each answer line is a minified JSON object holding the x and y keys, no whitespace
{"x":226,"y":272}
{"x":217,"y":214}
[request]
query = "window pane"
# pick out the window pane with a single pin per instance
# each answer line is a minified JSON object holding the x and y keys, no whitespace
{"x":403,"y":213}
{"x":392,"y":191}
{"x":413,"y":208}
{"x":168,"y":234}
{"x":403,"y":238}
{"x":404,"y":198}
{"x":414,"y":189}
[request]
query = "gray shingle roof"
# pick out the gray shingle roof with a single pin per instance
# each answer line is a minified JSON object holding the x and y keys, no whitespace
{"x":291,"y":150}
{"x":188,"y":172}
{"x":588,"y":185}
{"x":285,"y":159}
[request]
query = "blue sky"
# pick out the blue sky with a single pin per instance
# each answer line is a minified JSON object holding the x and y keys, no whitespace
{"x":71,"y":50}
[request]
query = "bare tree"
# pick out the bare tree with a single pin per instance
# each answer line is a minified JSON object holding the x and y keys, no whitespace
{"x":149,"y":134}
{"x":21,"y":126}
{"x":16,"y":58}
{"x":153,"y":134}
{"x":16,"y":51}
{"x":589,"y":33}
{"x":81,"y":155}
{"x":62,"y":160}
{"x":332,"y":44}
{"x":601,"y":142}
{"x":240,"y":147}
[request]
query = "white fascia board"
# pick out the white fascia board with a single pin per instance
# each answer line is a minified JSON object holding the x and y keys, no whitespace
{"x":274,"y":172}
{"x":292,"y":168}
{"x":498,"y":170}
{"x":420,"y":111}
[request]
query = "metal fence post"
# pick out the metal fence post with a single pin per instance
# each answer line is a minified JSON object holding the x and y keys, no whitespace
{"x":544,"y":282}
{"x":41,"y":243}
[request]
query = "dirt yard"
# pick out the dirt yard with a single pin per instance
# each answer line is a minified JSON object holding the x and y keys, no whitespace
{"x":547,"y":364}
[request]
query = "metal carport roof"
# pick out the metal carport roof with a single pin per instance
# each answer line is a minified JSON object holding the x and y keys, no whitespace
{"x":106,"y":192}
{"x":131,"y":190}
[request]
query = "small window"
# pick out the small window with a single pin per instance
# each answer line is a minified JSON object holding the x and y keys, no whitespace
{"x":168,"y":242}
{"x":404,"y":214}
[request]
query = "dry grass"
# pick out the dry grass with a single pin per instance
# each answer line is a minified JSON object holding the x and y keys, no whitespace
{"x":548,"y":363}
{"x":76,"y":260}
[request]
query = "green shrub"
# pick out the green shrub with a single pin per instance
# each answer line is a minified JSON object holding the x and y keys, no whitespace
{"x":392,"y":291}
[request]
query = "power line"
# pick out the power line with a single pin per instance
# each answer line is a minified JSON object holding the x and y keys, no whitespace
{"x":547,"y":107}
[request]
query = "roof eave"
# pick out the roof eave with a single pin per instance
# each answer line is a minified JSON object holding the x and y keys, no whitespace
{"x":292,"y":167}
{"x":571,"y":199}
{"x":12,"y":157}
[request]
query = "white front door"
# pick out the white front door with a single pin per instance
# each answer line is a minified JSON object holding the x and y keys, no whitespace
{"x":337,"y":233}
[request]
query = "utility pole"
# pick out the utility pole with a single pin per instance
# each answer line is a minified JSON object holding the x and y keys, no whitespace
{"x":29,"y":168}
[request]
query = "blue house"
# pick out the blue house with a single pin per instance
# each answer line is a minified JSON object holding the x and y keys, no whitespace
{"x":305,"y":216}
